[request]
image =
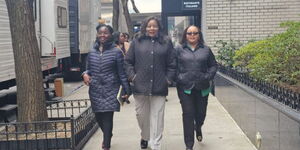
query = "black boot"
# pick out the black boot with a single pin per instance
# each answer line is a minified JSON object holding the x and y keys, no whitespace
{"x":199,"y":134}
{"x":144,"y":144}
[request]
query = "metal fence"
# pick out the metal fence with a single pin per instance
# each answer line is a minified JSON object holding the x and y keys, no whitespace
{"x":66,"y":108}
{"x":70,"y":125}
{"x":282,"y":95}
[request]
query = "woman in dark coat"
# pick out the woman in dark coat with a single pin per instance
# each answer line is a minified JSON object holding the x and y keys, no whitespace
{"x":120,"y":42}
{"x":150,"y":66}
{"x":196,"y":68}
{"x":104,"y":75}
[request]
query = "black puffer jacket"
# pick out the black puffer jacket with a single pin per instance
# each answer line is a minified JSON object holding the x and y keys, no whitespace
{"x":195,"y":68}
{"x":107,"y":74}
{"x":149,"y":64}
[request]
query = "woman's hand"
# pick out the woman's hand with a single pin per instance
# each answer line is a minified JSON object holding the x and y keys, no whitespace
{"x":86,"y":79}
{"x":168,"y":81}
{"x":125,"y":96}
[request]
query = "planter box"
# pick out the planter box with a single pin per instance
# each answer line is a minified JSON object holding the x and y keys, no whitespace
{"x":278,"y":124}
{"x":71,"y":124}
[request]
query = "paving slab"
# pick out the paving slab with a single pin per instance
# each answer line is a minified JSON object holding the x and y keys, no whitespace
{"x":220,"y":132}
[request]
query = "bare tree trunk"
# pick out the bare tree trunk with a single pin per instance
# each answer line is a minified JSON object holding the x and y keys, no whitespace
{"x":134,"y":7}
{"x":127,"y":17}
{"x":116,"y":14}
{"x":30,"y":91}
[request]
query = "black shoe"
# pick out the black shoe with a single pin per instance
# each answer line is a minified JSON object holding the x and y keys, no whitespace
{"x":199,"y":135}
{"x":144,"y":144}
{"x":127,"y":101}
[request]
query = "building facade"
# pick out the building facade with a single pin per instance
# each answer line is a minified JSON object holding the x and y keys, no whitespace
{"x":245,"y":20}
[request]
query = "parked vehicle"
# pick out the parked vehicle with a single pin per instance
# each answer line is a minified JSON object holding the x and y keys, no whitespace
{"x":65,"y":31}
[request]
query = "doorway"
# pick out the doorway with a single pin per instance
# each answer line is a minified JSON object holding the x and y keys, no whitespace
{"x":177,"y":16}
{"x":176,"y":25}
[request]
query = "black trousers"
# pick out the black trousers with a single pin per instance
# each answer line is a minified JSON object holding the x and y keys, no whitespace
{"x":105,"y":122}
{"x":194,"y":107}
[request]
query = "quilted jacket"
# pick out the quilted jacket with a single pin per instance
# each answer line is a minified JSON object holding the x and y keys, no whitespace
{"x":195,"y":68}
{"x":107,"y":74}
{"x":150,"y":65}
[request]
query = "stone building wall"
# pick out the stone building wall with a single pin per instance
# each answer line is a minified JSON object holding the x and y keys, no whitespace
{"x":245,"y":20}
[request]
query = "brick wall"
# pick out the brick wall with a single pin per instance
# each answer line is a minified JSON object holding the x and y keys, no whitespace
{"x":245,"y":19}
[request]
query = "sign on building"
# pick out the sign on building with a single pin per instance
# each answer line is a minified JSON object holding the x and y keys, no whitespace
{"x":191,"y":4}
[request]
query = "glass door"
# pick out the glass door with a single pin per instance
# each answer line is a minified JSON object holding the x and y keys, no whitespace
{"x":176,"y":25}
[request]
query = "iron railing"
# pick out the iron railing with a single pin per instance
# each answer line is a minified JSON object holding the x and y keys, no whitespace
{"x":66,"y":108}
{"x":70,"y":125}
{"x":282,"y":95}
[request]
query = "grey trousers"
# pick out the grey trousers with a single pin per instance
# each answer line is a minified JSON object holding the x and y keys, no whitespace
{"x":150,"y":116}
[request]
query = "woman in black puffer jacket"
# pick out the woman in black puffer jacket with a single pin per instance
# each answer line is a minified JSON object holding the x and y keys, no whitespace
{"x":196,"y":68}
{"x":105,"y":73}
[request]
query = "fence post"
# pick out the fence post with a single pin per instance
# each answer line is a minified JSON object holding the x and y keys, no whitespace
{"x":73,"y":144}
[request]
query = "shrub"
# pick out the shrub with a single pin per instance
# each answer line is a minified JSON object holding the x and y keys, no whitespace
{"x":226,"y":51}
{"x":275,"y":59}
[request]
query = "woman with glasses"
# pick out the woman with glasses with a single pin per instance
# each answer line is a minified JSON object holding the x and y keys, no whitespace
{"x":150,"y":66}
{"x":196,"y":68}
{"x":104,"y":75}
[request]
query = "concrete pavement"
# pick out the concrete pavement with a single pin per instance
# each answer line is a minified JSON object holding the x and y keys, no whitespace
{"x":220,"y":132}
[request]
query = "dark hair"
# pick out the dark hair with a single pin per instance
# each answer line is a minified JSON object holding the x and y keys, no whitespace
{"x":116,"y":36}
{"x":200,"y":40}
{"x":110,"y":29}
{"x":99,"y":26}
{"x":110,"y":41}
{"x":126,"y":34}
{"x":142,"y":33}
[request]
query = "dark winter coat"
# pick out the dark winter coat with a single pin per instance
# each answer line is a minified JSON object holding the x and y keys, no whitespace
{"x":150,"y":64}
{"x":195,"y":68}
{"x":107,"y":74}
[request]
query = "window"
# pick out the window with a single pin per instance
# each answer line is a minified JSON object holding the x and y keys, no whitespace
{"x":33,"y":9}
{"x":62,"y":21}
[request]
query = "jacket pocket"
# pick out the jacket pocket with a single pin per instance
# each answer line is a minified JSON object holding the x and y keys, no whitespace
{"x":183,"y":77}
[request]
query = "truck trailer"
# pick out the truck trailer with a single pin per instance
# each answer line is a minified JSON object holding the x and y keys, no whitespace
{"x":65,"y":31}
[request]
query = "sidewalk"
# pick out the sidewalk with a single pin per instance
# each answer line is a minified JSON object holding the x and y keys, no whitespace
{"x":220,"y":132}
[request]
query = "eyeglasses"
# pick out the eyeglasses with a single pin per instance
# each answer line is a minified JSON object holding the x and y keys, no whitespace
{"x":192,"y":33}
{"x":153,"y":27}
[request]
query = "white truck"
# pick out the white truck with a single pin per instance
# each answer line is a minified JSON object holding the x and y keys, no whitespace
{"x":65,"y":31}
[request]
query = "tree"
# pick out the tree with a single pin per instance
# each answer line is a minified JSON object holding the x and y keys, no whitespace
{"x":134,"y":7}
{"x":116,"y":13}
{"x":127,"y":17}
{"x":30,"y":91}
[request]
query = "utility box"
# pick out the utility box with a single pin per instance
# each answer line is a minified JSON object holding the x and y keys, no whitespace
{"x":59,"y":87}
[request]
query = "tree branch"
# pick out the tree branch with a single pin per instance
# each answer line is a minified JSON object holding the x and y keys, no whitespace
{"x":134,"y":6}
